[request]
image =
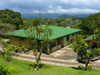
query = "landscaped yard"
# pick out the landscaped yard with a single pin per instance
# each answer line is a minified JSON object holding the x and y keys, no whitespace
{"x":21,"y":69}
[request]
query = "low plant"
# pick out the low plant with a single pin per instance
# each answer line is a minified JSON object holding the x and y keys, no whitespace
{"x":16,"y":49}
{"x":33,"y":66}
{"x":84,"y":69}
{"x":23,"y":48}
{"x":8,"y":53}
{"x":19,"y":49}
{"x":90,"y":68}
{"x":6,"y":71}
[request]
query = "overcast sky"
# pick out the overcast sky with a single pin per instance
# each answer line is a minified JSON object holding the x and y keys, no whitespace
{"x":52,"y":6}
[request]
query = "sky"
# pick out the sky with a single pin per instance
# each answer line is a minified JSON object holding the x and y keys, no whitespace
{"x":52,"y":6}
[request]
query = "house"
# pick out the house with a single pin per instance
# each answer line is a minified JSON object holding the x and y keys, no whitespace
{"x":60,"y":34}
{"x":92,"y":41}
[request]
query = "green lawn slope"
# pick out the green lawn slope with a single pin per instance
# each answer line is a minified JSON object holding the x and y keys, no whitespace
{"x":21,"y":69}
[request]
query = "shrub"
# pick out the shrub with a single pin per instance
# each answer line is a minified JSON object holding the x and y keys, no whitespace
{"x":90,"y":68}
{"x":33,"y":66}
{"x":8,"y":53}
{"x":22,"y":47}
{"x":6,"y":71}
{"x":16,"y":49}
{"x":19,"y":49}
{"x":81,"y":68}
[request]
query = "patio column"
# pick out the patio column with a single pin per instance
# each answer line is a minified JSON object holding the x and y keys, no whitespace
{"x":56,"y":44}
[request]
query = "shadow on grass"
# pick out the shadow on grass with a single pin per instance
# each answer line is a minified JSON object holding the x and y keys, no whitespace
{"x":76,"y":68}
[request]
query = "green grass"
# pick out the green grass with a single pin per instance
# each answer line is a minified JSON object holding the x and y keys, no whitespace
{"x":21,"y":69}
{"x":71,"y":46}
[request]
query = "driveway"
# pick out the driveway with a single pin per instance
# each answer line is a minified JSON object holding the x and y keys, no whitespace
{"x":65,"y":53}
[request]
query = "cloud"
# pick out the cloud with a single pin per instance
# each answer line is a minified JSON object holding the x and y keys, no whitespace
{"x":52,"y":6}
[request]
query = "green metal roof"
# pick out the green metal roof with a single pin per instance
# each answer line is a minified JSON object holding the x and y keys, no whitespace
{"x":58,"y":32}
{"x":91,"y":37}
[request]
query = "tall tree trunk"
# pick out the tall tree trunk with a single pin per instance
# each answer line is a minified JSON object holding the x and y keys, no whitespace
{"x":48,"y":48}
{"x":38,"y":59}
{"x":86,"y":64}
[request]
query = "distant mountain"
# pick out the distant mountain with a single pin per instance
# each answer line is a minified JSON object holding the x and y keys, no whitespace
{"x":53,"y":15}
{"x":81,"y":15}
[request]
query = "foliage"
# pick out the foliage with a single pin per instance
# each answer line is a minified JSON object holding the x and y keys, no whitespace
{"x":89,"y":24}
{"x":16,"y":49}
{"x":8,"y":53}
{"x":6,"y":71}
{"x":33,"y":66}
{"x":4,"y":28}
{"x":34,"y":32}
{"x":9,"y":16}
{"x":80,"y":46}
{"x":23,"y":48}
{"x":6,"y":49}
{"x":83,"y":69}
{"x":97,"y":36}
{"x":19,"y":49}
{"x":62,"y":22}
{"x":8,"y":41}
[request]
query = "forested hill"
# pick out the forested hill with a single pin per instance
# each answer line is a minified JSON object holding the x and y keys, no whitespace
{"x":9,"y":21}
{"x":53,"y":15}
{"x":9,"y":16}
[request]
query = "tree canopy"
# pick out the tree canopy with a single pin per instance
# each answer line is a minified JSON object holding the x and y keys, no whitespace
{"x":90,"y":24}
{"x":80,"y":47}
{"x":4,"y":28}
{"x":9,"y":16}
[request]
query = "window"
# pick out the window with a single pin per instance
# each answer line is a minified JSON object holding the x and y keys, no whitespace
{"x":67,"y":38}
{"x":58,"y":41}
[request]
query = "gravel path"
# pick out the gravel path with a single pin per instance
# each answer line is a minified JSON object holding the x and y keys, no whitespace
{"x":65,"y":53}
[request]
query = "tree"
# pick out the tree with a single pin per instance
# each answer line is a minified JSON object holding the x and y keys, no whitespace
{"x":89,"y":24}
{"x":6,"y":49}
{"x":9,"y":16}
{"x":4,"y":28}
{"x":97,"y":36}
{"x":39,"y":37}
{"x":80,"y":47}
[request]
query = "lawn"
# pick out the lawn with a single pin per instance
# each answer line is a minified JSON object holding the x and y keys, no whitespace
{"x":21,"y":69}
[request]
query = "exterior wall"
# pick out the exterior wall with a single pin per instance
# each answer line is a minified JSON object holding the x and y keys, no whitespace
{"x":15,"y":41}
{"x":55,"y":47}
{"x":59,"y":46}
{"x":19,"y":42}
{"x":64,"y":41}
{"x":26,"y":43}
